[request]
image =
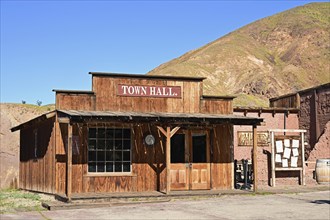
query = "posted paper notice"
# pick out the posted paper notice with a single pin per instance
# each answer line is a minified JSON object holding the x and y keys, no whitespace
{"x":294,"y":161}
{"x":287,"y":152}
{"x":286,"y":143}
{"x":278,"y":158}
{"x":279,"y":146}
{"x":295,"y":143}
{"x":285,"y":163}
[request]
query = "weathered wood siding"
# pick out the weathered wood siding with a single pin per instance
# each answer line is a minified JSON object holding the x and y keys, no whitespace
{"x":222,"y":157}
{"x":148,"y":163}
{"x":216,"y":106}
{"x":36,"y":170}
{"x":70,"y":101}
{"x":291,"y":101}
{"x":105,"y":89}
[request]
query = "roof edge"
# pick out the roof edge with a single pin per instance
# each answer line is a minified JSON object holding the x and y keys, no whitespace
{"x":38,"y":118}
{"x":73,"y":91}
{"x":218,"y":97}
{"x":144,"y":76}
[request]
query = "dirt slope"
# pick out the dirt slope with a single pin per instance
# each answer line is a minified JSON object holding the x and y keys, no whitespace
{"x":10,"y":116}
{"x":276,"y":55}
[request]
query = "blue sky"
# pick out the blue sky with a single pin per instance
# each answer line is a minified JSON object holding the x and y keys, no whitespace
{"x":49,"y":45}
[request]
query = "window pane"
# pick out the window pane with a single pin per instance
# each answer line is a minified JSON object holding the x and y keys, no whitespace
{"x":101,"y":133}
{"x":92,"y":144}
{"x":118,"y":167}
{"x":92,"y":133}
{"x":100,"y":167}
{"x":126,"y":156}
{"x":109,"y":144}
{"x":109,"y":133}
{"x":118,"y":144}
{"x":109,"y":167}
{"x":127,"y":144}
{"x":127,"y":133}
{"x":100,"y":156}
{"x":91,"y":156}
{"x":109,"y":156}
{"x":100,"y":144}
{"x":126,"y":167}
{"x":118,"y":133}
{"x":118,"y":156}
{"x":91,"y":167}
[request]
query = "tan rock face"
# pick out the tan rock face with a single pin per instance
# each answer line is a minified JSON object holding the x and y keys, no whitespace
{"x":10,"y":116}
{"x":283,"y":53}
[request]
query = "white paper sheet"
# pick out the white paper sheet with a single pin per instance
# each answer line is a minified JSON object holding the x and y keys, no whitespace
{"x":278,"y":158}
{"x":286,"y":143}
{"x":295,"y":152}
{"x":294,"y":161}
{"x":285,"y":163}
{"x":295,"y":143}
{"x":287,"y":152}
{"x":279,"y":146}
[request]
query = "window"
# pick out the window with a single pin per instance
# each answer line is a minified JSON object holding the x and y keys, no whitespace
{"x":109,"y":150}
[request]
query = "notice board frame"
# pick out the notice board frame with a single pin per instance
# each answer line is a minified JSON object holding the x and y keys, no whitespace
{"x":301,"y":168}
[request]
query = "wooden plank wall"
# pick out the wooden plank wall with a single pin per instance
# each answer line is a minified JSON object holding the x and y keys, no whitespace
{"x":287,"y":102}
{"x":217,"y":106}
{"x":37,"y":173}
{"x":70,"y":101}
{"x":105,"y":89}
{"x":221,"y":157}
{"x":148,"y":164}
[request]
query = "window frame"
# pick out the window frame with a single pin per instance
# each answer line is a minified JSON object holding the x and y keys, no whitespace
{"x":122,"y":161}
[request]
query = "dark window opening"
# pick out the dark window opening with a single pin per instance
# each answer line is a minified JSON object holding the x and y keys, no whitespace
{"x":109,"y":150}
{"x":199,"y":148}
{"x":177,"y":148}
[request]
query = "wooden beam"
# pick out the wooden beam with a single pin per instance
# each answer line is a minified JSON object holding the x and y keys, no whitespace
{"x":174,"y":131}
{"x":168,"y":160}
{"x":255,"y":150}
{"x":303,"y":159}
{"x":63,"y":120}
{"x":162,"y":130}
{"x":273,"y":158}
{"x":168,"y":134}
{"x":69,"y":163}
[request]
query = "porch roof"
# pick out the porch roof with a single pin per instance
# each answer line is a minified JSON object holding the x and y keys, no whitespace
{"x":80,"y":116}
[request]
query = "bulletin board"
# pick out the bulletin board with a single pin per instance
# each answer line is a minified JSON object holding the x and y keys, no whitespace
{"x":288,"y":152}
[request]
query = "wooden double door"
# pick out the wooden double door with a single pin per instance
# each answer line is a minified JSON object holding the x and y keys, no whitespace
{"x":190,"y":160}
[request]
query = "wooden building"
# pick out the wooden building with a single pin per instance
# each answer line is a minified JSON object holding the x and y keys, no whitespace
{"x":131,"y":133}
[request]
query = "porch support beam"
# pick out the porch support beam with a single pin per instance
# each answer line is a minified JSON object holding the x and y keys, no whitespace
{"x":168,"y":134}
{"x":69,"y":164}
{"x":255,"y":151}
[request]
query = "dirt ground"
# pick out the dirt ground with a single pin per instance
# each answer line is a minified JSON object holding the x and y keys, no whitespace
{"x":310,"y":205}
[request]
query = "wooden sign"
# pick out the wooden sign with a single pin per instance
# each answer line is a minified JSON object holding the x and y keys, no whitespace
{"x":245,"y":138}
{"x":149,"y":91}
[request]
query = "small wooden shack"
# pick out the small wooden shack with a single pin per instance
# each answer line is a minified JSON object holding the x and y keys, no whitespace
{"x":131,"y":133}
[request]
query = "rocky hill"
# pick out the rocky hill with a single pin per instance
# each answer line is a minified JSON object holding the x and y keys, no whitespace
{"x":276,"y":55}
{"x":10,"y":116}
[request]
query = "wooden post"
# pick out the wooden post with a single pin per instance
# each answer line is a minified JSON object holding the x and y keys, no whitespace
{"x":168,"y":160}
{"x":69,"y":163}
{"x":255,"y":150}
{"x":168,"y":134}
{"x":273,"y":158}
{"x":303,"y":159}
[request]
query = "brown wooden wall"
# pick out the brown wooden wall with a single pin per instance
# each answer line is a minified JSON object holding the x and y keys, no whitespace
{"x":70,"y":101}
{"x":222,"y":157}
{"x":216,"y":106}
{"x":105,"y":89}
{"x":37,"y":173}
{"x":148,"y":163}
{"x":291,"y":101}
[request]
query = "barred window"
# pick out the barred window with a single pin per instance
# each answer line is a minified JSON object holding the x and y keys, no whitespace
{"x":109,"y":150}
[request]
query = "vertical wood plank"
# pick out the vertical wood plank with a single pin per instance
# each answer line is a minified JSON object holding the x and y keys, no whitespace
{"x":273,"y":158}
{"x":255,"y":150}
{"x":69,"y":162}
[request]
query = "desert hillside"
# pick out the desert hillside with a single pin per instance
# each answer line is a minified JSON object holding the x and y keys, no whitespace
{"x":10,"y":116}
{"x":273,"y":56}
